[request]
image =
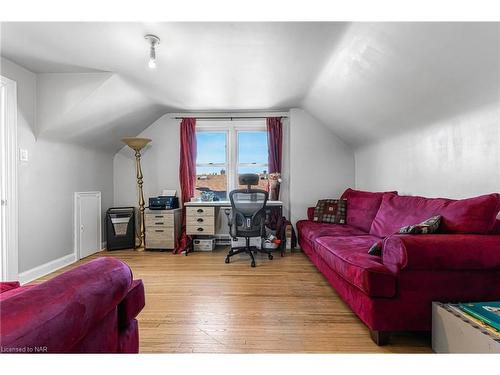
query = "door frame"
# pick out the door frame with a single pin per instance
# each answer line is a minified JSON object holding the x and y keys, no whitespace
{"x":9,"y":189}
{"x":76,"y":210}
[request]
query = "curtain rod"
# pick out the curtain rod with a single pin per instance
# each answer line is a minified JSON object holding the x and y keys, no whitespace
{"x":231,"y":118}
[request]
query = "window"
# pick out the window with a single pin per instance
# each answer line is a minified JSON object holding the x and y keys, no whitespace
{"x":225,"y":150}
{"x":211,"y":164}
{"x":252,"y":155}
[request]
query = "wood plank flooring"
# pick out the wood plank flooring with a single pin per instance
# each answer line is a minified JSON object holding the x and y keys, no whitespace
{"x":200,"y":304}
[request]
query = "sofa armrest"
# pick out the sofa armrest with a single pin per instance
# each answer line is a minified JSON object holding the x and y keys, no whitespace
{"x":310,"y":213}
{"x":442,"y":252}
{"x":58,"y":313}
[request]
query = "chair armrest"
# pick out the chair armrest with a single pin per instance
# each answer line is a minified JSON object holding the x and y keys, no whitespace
{"x":132,"y":304}
{"x":58,"y":313}
{"x":310,"y":213}
{"x":442,"y":252}
{"x":8,"y":285}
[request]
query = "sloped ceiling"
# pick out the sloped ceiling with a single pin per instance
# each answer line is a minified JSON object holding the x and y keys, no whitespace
{"x":92,"y":108}
{"x":364,"y":80}
{"x":384,"y":78}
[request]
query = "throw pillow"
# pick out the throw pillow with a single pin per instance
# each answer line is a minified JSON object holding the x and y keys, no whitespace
{"x":330,"y":211}
{"x":376,"y":248}
{"x":428,"y":226}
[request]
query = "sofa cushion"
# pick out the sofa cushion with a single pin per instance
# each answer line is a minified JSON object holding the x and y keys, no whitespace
{"x":362,"y":207}
{"x":473,"y":215}
{"x":311,"y":230}
{"x":348,"y":256}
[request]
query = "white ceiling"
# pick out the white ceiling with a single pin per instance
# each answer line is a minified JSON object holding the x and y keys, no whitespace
{"x":364,"y":80}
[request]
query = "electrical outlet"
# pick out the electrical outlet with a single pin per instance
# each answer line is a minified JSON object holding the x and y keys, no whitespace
{"x":23,"y":154}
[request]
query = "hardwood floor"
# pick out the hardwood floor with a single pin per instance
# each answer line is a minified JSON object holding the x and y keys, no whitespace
{"x":200,"y":304}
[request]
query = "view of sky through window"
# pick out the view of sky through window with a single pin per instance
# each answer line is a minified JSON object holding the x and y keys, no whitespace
{"x":212,"y":163}
{"x":211,"y":147}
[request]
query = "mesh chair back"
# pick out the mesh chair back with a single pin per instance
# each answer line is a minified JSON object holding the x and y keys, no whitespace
{"x":248,"y":212}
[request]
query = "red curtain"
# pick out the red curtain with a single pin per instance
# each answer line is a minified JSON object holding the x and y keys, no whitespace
{"x":187,"y":176}
{"x":274,"y":143}
{"x":275,"y":146}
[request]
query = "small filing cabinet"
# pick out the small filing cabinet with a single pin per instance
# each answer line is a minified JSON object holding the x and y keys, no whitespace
{"x":162,"y":228}
{"x":200,"y":221}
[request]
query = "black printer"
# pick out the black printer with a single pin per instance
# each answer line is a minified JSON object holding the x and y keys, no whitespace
{"x":163,"y":202}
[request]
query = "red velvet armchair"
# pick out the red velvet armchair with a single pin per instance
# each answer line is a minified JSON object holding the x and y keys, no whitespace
{"x":89,"y":309}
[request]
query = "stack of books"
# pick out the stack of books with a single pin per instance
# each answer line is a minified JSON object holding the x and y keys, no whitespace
{"x":486,"y":315}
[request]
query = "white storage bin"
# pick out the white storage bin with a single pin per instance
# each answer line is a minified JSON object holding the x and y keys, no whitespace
{"x":205,"y":244}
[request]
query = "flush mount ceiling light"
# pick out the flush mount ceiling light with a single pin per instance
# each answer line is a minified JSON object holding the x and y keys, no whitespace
{"x":153,"y":41}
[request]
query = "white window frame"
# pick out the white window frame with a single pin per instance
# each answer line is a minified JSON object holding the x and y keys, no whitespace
{"x":231,"y":128}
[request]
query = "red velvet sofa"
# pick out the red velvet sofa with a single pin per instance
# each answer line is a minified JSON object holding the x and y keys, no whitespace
{"x":89,"y":309}
{"x":394,"y":291}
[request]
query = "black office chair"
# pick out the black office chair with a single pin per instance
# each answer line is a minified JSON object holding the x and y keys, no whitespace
{"x":247,"y":217}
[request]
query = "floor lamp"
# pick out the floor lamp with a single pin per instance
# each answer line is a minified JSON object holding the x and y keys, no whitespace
{"x":137,"y":144}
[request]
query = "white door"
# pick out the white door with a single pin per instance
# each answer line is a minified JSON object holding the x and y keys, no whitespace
{"x":88,"y":223}
{"x":3,"y":199}
{"x":8,"y":181}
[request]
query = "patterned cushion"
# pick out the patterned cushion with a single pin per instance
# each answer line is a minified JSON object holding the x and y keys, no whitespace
{"x":376,"y":248}
{"x":428,"y":226}
{"x":330,"y":211}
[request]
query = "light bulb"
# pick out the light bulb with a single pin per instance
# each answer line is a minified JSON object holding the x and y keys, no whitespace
{"x":152,"y":63}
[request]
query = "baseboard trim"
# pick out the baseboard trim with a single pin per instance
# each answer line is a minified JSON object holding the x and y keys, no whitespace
{"x":45,"y":269}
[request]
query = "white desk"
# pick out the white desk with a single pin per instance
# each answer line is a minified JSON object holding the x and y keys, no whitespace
{"x":206,"y":218}
{"x":227,"y":204}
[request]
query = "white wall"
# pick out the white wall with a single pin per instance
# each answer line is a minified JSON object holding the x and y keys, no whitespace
{"x":457,"y":157}
{"x":48,"y":180}
{"x":321,"y":165}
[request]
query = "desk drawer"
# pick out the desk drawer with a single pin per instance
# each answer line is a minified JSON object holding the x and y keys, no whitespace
{"x":159,"y":220}
{"x":200,"y":220}
{"x":207,"y":229}
{"x":157,"y":244}
{"x":200,"y":211}
{"x":160,"y":233}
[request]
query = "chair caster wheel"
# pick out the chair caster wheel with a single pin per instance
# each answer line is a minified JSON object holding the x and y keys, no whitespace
{"x":270,"y":257}
{"x":227,"y":260}
{"x":253,"y":264}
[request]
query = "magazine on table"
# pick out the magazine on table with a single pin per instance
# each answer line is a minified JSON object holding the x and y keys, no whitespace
{"x":487,"y":312}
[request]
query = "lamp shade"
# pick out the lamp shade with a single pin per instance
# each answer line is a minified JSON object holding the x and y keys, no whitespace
{"x":136,"y":144}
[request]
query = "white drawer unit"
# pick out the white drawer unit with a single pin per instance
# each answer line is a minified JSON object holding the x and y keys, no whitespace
{"x":162,"y":229}
{"x":200,"y":221}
